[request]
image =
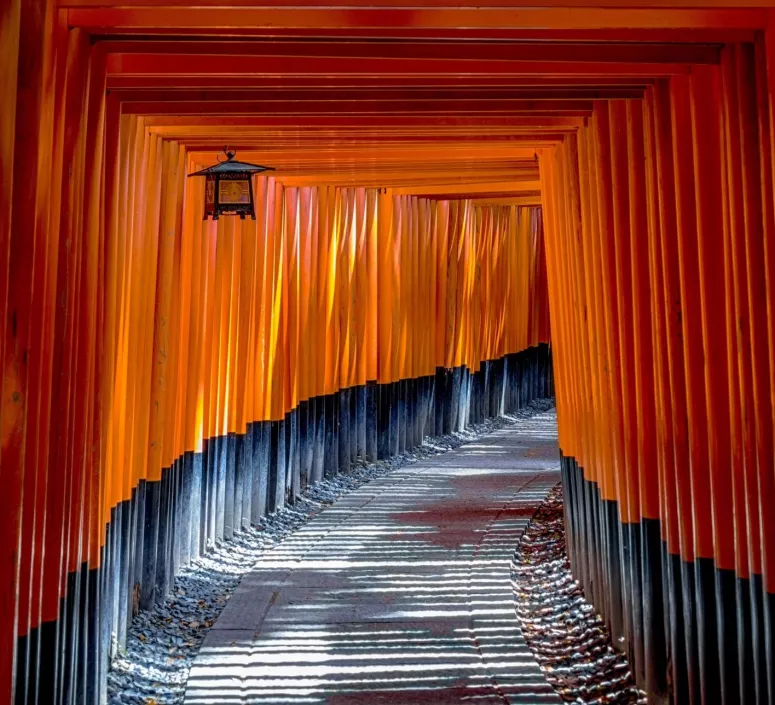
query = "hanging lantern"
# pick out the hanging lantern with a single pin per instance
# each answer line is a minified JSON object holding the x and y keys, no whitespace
{"x":229,"y":187}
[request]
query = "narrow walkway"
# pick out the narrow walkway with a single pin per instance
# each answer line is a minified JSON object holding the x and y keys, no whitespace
{"x":399,"y":593}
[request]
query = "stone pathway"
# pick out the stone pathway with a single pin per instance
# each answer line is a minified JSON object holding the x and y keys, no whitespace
{"x":399,"y":593}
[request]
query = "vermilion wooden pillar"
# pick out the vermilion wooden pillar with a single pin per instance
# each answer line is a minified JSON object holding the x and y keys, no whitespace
{"x":681,"y":230}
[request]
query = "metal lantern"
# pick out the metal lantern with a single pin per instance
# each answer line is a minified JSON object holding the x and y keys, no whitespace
{"x":229,"y":187}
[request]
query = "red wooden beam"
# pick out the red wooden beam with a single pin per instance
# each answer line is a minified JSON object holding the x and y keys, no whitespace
{"x":354,"y":18}
{"x":319,"y":82}
{"x":262,"y":142}
{"x":489,"y":189}
{"x":442,"y":194}
{"x":514,"y":124}
{"x":361,"y":107}
{"x":429,"y":4}
{"x":707,"y":35}
{"x":134,"y":64}
{"x":503,"y":51}
{"x":386,"y":95}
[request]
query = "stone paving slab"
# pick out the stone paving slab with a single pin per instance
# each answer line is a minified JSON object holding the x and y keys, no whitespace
{"x":399,"y":593}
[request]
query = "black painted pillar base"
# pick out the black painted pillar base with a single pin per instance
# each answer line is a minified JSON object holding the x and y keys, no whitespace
{"x":331,"y":436}
{"x":277,"y":457}
{"x":229,"y":486}
{"x":439,"y":396}
{"x":394,"y":425}
{"x":318,"y":433}
{"x":359,"y":421}
{"x":401,"y":414}
{"x":293,"y":460}
{"x":261,"y":432}
{"x":372,"y":432}
{"x":344,"y":430}
{"x":383,"y":399}
{"x":305,"y":445}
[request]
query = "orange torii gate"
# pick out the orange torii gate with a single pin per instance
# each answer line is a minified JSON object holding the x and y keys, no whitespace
{"x":425,"y":150}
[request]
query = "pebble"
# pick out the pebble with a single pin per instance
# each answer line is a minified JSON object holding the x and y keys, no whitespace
{"x":570,"y":641}
{"x":152,"y":668}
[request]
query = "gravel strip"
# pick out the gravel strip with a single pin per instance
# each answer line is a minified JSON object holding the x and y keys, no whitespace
{"x":568,"y":638}
{"x":162,"y":642}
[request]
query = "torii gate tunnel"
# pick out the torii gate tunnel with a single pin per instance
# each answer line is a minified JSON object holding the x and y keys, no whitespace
{"x":449,"y":177}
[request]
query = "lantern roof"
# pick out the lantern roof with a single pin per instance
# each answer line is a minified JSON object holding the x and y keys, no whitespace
{"x":231,"y":165}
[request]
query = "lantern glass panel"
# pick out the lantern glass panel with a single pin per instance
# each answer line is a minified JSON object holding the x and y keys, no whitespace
{"x":234,"y":192}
